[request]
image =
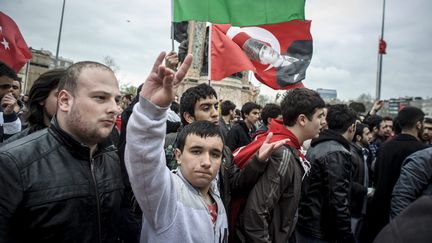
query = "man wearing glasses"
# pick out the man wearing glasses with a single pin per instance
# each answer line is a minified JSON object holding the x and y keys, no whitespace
{"x":9,"y":122}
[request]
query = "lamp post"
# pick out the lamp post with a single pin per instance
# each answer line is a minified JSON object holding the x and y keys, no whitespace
{"x":59,"y":35}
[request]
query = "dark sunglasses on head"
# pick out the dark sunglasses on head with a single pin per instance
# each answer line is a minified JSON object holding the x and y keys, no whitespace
{"x":8,"y":86}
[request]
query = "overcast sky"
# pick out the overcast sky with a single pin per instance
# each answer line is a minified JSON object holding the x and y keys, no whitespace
{"x":345,"y":37}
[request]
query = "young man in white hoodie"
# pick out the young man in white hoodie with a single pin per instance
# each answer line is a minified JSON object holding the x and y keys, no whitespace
{"x":186,"y":206}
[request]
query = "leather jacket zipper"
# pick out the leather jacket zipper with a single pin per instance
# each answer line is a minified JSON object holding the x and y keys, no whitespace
{"x":97,"y":199}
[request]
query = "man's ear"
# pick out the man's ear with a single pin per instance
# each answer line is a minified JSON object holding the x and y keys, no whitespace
{"x":358,"y":138}
{"x":64,"y":100}
{"x":301,"y":120}
{"x":177,"y":154}
{"x":188,"y":117}
{"x":419,"y":125}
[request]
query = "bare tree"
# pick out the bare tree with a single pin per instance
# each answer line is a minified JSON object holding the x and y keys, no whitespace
{"x":110,"y":62}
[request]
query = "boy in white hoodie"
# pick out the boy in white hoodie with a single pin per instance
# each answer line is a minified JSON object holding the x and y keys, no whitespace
{"x":186,"y":206}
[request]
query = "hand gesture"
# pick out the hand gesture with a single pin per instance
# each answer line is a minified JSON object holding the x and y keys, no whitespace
{"x":161,"y":85}
{"x":267,"y":148}
{"x":171,"y":60}
{"x":8,"y":103}
{"x":378,"y":104}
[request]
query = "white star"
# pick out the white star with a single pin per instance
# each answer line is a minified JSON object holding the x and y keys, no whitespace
{"x":5,"y":44}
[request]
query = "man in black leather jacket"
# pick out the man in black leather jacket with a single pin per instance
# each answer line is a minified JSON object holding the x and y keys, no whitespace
{"x":63,"y":184}
{"x":324,"y":211}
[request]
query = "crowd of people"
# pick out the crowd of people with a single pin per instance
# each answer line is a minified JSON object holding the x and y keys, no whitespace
{"x":79,"y":162}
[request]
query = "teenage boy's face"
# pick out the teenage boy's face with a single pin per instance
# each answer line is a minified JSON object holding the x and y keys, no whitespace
{"x":314,"y":125}
{"x":200,"y":160}
{"x":253,"y":116}
{"x":207,"y":110}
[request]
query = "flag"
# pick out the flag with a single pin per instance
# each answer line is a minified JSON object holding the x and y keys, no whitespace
{"x":382,"y":47}
{"x":239,"y":12}
{"x":13,"y":49}
{"x":279,"y":53}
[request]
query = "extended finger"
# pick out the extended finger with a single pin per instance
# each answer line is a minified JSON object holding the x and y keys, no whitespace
{"x":158,"y":62}
{"x":181,"y":73}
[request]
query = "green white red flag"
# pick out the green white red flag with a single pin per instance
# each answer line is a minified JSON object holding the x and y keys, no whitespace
{"x":238,"y":12}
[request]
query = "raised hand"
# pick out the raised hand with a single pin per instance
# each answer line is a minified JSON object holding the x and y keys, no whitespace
{"x":267,"y":148}
{"x":171,"y":60}
{"x":8,"y":103}
{"x":162,"y":83}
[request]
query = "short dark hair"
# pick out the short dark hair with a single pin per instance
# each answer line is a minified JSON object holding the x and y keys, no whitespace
{"x":408,"y":117}
{"x":270,"y":110}
{"x":40,"y":90}
{"x":69,"y":80}
{"x":226,"y":106}
{"x":248,"y":107}
{"x":7,"y":71}
{"x":340,"y":117}
{"x":175,"y":107}
{"x":191,"y":96}
{"x":300,"y":101}
{"x":203,"y":129}
{"x":387,"y":118}
{"x":359,"y":130}
{"x":428,"y":120}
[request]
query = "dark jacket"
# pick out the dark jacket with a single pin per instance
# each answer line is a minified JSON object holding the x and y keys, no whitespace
{"x":225,"y":128}
{"x":358,"y":188}
{"x":324,"y":210}
{"x":270,"y":211}
{"x":239,"y":135}
{"x":53,"y":191}
{"x":387,"y":171}
{"x":412,"y":225}
{"x":414,"y":181}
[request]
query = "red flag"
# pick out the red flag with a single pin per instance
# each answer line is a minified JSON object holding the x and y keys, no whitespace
{"x":13,"y":49}
{"x":279,"y":52}
{"x":382,"y":47}
{"x":227,"y":57}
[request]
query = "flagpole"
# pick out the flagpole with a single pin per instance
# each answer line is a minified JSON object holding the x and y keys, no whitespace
{"x":59,"y":35}
{"x":26,"y":76}
{"x":172,"y":25}
{"x":209,"y":54}
{"x":380,"y":58}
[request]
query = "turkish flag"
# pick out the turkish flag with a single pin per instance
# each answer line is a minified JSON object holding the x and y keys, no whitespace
{"x":13,"y":49}
{"x":280,"y":53}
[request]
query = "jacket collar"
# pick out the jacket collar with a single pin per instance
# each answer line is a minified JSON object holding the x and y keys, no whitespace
{"x":77,"y":148}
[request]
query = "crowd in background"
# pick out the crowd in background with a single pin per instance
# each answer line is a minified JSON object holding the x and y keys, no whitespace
{"x":79,"y":162}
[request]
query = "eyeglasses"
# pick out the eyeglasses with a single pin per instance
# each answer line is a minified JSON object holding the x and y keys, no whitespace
{"x":8,"y":86}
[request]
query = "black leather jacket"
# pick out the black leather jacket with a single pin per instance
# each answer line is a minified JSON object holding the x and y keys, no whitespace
{"x":324,"y":210}
{"x":53,"y":191}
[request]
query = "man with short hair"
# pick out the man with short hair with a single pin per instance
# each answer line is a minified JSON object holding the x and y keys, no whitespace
{"x":64,"y":184}
{"x":241,"y":133}
{"x":388,"y":127}
{"x":360,"y":157}
{"x":270,"y":211}
{"x":227,"y":116}
{"x":324,"y":211}
{"x":269,"y":112}
{"x":427,"y":131}
{"x":9,"y":122}
{"x":42,"y":104}
{"x":186,"y":206}
{"x":388,"y":168}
